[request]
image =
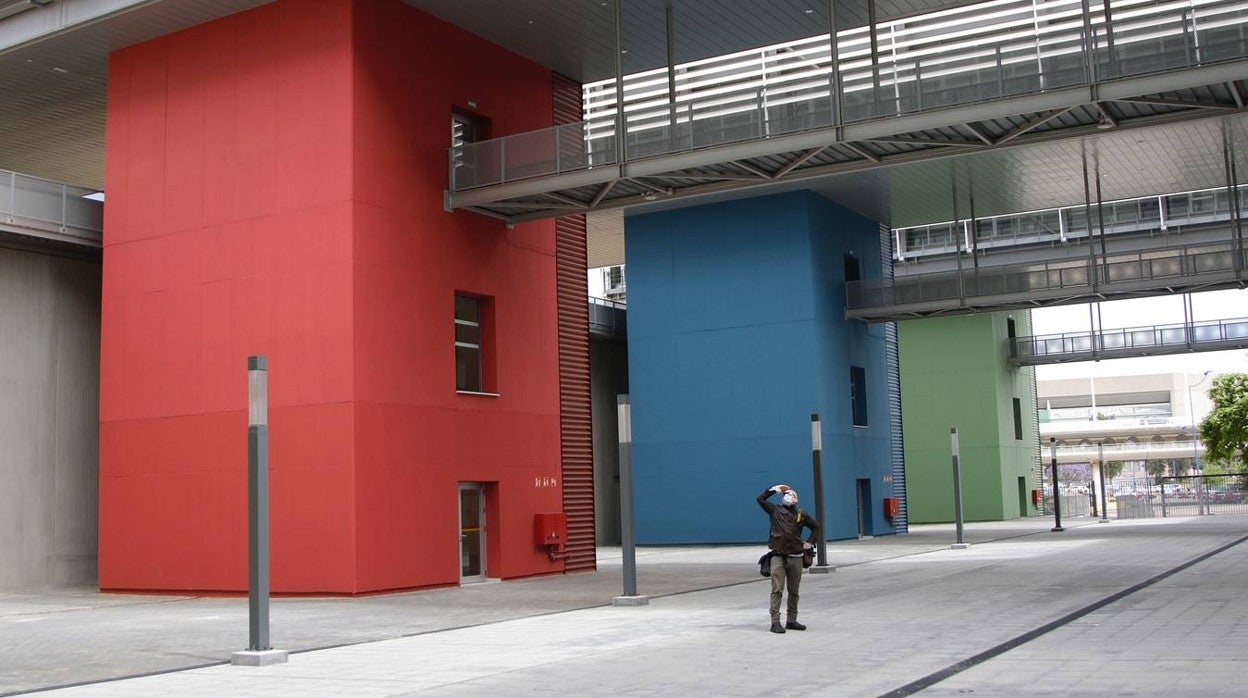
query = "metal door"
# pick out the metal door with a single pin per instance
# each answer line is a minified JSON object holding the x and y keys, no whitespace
{"x":471,"y":533}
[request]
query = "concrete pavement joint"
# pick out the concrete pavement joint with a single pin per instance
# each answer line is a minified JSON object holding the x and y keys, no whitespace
{"x":936,"y":677}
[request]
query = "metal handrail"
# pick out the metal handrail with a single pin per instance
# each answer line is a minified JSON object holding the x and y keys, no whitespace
{"x":1167,"y":212}
{"x":978,"y":52}
{"x":45,"y":206}
{"x":1206,"y":332}
{"x":1168,"y":263}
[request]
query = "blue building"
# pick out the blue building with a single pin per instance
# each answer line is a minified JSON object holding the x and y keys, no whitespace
{"x":736,"y":336}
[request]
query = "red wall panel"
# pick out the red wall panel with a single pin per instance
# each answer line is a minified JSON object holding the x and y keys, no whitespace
{"x":228,"y":234}
{"x":285,"y":198}
{"x":411,"y":258}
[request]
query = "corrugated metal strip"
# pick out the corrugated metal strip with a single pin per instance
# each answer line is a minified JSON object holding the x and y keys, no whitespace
{"x":1034,"y":400}
{"x":575,"y":426}
{"x":897,"y":451}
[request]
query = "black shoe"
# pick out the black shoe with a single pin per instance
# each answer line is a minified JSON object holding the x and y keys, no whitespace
{"x":776,"y":627}
{"x":793,"y":625}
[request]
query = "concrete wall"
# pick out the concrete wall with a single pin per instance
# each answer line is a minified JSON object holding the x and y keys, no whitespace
{"x":49,"y":453}
{"x":608,"y":363}
{"x":954,"y":373}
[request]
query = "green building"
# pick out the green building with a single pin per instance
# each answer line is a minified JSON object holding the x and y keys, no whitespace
{"x":955,"y":373}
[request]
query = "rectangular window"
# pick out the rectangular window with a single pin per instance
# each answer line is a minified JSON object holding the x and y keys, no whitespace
{"x":468,"y":369}
{"x":858,"y":395}
{"x":1018,"y":419}
{"x":853,"y":271}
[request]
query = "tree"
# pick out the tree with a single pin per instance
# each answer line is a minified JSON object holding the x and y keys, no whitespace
{"x":1217,"y":467}
{"x":1225,"y":431}
{"x":1069,"y":474}
{"x":1111,"y":469}
{"x":1156,"y":468}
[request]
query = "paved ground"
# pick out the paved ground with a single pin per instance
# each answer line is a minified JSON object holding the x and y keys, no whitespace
{"x":1145,"y":608}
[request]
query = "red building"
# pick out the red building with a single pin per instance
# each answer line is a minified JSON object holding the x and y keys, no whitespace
{"x":275,"y":186}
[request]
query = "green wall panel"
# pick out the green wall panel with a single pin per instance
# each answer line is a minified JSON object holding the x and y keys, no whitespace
{"x":955,"y":373}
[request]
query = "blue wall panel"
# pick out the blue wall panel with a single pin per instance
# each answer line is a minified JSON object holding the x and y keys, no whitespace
{"x":736,"y":335}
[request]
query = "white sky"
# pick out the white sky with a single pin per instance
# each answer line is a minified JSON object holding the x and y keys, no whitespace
{"x":1211,"y":305}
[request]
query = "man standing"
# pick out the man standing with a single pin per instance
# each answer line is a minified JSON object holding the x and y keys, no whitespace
{"x":787,"y":547}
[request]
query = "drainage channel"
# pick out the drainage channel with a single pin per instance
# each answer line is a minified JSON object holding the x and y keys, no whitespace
{"x":974,"y":660}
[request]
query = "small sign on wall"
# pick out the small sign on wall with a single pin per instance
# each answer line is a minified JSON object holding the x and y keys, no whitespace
{"x":545,"y":482}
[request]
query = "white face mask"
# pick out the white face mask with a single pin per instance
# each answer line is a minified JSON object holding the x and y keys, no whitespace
{"x":790,"y":498}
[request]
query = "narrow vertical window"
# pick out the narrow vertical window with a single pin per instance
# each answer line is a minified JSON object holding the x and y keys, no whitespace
{"x":468,"y":344}
{"x":466,"y":129}
{"x":858,"y":395}
{"x":1018,"y":419}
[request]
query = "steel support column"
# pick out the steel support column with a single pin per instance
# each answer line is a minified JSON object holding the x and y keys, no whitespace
{"x":620,"y":150}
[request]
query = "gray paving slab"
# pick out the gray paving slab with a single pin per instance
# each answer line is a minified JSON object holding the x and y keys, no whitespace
{"x":896,"y":610}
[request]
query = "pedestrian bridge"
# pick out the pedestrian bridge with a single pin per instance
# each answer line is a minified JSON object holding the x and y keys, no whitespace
{"x":984,"y":76}
{"x":1157,"y":268}
{"x":1153,"y":340}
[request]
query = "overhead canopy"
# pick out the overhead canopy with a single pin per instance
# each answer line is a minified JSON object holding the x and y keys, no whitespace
{"x":577,"y":37}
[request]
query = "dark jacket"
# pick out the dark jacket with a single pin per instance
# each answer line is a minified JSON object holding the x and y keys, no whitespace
{"x":786,"y":526}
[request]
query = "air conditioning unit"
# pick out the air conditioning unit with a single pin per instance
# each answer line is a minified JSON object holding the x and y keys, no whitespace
{"x":613,"y":283}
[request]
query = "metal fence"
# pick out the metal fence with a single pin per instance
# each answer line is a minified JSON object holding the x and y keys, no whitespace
{"x":1195,"y":495}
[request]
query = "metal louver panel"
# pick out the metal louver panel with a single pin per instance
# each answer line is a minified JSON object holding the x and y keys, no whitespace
{"x":892,"y":368}
{"x":1033,"y":400}
{"x":575,"y":426}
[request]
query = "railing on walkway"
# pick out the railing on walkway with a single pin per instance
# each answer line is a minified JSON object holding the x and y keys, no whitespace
{"x":1125,"y":450}
{"x":1070,"y":223}
{"x":1205,"y":335}
{"x":607,"y":318}
{"x":978,"y":52}
{"x":1164,"y":268}
{"x":47,"y":208}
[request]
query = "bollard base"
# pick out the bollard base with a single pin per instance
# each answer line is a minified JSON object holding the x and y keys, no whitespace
{"x":959,"y":546}
{"x":1057,"y":529}
{"x":638,"y":600}
{"x":259,"y":657}
{"x":821,"y":569}
{"x":1103,"y":521}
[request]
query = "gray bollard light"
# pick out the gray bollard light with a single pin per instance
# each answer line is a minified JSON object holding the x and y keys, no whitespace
{"x":961,"y":544}
{"x":1100,"y":463}
{"x":258,"y":652}
{"x":628,"y":541}
{"x":816,"y":457}
{"x":1057,"y":498}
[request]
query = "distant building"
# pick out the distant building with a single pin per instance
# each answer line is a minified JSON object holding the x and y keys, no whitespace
{"x":1131,"y":418}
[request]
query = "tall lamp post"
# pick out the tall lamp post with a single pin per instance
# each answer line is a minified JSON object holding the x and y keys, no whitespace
{"x":1200,"y":478}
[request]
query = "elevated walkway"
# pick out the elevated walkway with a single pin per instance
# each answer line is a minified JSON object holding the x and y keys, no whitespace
{"x":925,"y":87}
{"x":37,"y":212}
{"x":1048,"y":234}
{"x":1153,"y":340}
{"x":1154,"y":269}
